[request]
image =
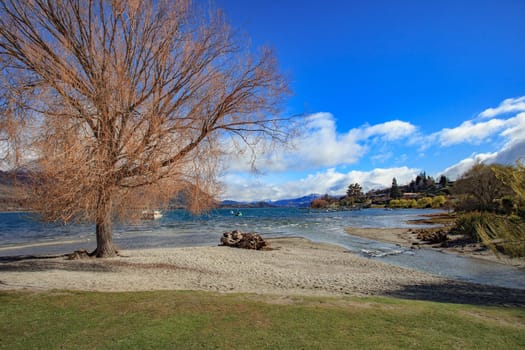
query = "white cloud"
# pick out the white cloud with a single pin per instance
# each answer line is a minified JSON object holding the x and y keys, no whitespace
{"x":470,"y":132}
{"x":329,"y":181}
{"x":509,"y":105}
{"x":515,"y":131}
{"x":458,"y":169}
{"x":382,"y":177}
{"x":510,"y":153}
{"x":476,"y":132}
{"x":389,"y":131}
{"x":320,"y":145}
{"x":507,"y":155}
{"x":512,"y":150}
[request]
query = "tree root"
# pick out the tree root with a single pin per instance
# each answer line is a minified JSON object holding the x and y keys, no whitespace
{"x":84,"y":254}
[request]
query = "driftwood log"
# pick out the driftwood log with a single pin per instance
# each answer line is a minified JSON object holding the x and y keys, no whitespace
{"x":432,"y":236}
{"x":244,"y":240}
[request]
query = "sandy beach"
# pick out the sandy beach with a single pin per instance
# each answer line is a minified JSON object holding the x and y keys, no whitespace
{"x":294,"y":266}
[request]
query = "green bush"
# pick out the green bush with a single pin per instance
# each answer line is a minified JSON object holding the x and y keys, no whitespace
{"x":425,"y":202}
{"x":402,"y":203}
{"x":397,"y":203}
{"x":502,"y":234}
{"x":467,"y":224}
{"x":438,"y":201}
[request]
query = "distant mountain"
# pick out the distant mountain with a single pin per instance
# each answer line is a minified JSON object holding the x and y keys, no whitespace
{"x":228,"y":202}
{"x":235,"y":204}
{"x":301,"y":202}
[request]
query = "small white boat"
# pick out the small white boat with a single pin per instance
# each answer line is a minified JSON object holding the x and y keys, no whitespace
{"x":151,"y":214}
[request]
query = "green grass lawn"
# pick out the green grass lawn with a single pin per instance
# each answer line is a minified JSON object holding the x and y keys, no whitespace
{"x":199,"y":320}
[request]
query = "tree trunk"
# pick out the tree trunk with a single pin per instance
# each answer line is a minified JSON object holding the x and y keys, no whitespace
{"x":104,"y":229}
{"x":105,"y":246}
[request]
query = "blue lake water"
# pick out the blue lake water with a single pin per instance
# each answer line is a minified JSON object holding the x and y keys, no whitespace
{"x":20,"y":234}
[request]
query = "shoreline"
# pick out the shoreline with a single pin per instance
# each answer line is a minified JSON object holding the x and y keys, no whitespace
{"x":292,"y":267}
{"x":56,"y":242}
{"x":405,"y":237}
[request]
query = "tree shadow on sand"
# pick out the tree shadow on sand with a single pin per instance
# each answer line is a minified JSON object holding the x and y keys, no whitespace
{"x":458,"y":292}
{"x":32,"y":263}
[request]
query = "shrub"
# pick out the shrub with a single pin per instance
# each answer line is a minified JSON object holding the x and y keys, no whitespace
{"x":467,"y":224}
{"x":412,"y":203}
{"x":425,"y":202}
{"x":399,"y":203}
{"x":502,"y":234}
{"x":394,"y":203}
{"x":438,"y":201}
{"x":319,"y":203}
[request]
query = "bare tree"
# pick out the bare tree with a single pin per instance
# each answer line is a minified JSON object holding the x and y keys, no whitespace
{"x":480,"y":188}
{"x":131,"y":102}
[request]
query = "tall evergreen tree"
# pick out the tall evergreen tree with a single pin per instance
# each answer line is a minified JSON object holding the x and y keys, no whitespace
{"x":394,"y":190}
{"x":354,"y":194}
{"x":443,"y":181}
{"x":412,"y":186}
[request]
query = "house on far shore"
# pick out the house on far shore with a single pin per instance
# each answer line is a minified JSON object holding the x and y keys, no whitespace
{"x":411,"y":195}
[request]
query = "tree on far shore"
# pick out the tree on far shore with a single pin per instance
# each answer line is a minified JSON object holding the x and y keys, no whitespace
{"x":130,"y":102}
{"x":354,"y":194}
{"x":394,"y":190}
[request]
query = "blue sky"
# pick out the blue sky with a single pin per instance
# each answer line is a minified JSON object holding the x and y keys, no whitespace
{"x":388,"y":88}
